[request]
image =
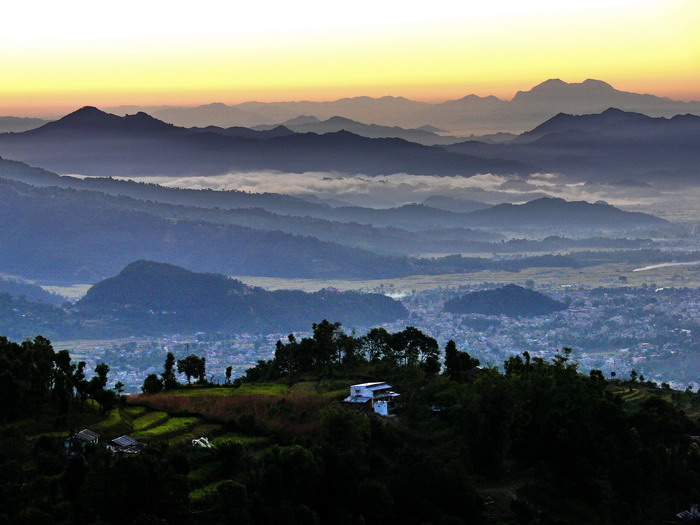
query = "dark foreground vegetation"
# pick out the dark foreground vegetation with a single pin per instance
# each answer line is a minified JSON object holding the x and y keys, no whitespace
{"x":537,"y":443}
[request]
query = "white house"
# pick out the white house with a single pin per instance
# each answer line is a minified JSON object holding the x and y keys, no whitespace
{"x":378,"y":394}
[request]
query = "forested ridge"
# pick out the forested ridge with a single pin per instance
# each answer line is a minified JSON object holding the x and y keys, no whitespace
{"x":535,"y":442}
{"x":511,"y":300}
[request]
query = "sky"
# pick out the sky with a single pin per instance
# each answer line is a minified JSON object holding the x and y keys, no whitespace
{"x":58,"y":56}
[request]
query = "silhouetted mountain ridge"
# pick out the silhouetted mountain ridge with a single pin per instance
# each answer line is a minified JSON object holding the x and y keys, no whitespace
{"x":561,"y":213}
{"x":606,"y":146}
{"x":93,"y":142}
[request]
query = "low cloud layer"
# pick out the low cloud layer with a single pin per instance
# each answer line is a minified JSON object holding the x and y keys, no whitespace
{"x":400,"y":188}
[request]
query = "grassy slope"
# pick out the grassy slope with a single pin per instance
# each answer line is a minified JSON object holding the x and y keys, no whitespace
{"x":139,"y":419}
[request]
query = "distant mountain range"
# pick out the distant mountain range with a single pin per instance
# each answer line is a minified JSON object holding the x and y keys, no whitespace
{"x":92,"y":142}
{"x":606,"y":147}
{"x":510,"y":300}
{"x":90,"y":234}
{"x":68,"y":236}
{"x":150,"y":297}
{"x":470,"y":114}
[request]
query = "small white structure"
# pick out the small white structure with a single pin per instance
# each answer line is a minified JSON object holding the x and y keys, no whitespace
{"x":78,"y":441}
{"x":201,"y":442}
{"x":379,"y":394}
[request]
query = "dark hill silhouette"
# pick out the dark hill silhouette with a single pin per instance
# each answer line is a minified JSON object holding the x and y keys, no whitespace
{"x":606,"y":146}
{"x":93,"y":142}
{"x":306,"y":124}
{"x":453,"y":204}
{"x":510,"y":300}
{"x":241,"y":132}
{"x":614,"y":123}
{"x":151,"y":297}
{"x":562,"y":213}
{"x":91,"y":118}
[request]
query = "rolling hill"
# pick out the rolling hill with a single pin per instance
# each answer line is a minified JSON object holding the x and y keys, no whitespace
{"x":150,"y":297}
{"x":510,"y":300}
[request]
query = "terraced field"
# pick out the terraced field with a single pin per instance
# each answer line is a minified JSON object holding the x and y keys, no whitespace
{"x":634,"y":394}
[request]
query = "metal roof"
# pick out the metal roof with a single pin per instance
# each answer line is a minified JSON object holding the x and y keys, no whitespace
{"x":380,"y":386}
{"x":125,"y":441}
{"x":357,"y":399}
{"x":87,"y":435}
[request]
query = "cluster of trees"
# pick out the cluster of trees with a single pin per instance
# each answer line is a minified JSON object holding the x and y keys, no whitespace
{"x":192,"y":366}
{"x":32,"y":374}
{"x":329,"y":345}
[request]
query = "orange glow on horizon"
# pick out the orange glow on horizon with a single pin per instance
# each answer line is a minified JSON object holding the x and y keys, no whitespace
{"x":81,"y":57}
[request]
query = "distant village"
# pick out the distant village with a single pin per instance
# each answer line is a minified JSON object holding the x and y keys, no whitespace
{"x":652,"y":330}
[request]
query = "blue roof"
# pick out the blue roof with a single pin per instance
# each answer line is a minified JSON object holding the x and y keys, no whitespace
{"x":125,"y":441}
{"x":357,"y":399}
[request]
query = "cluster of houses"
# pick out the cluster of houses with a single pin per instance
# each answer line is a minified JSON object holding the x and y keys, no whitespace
{"x":78,"y":441}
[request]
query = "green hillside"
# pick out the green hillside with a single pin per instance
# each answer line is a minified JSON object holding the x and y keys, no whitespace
{"x":536,"y":443}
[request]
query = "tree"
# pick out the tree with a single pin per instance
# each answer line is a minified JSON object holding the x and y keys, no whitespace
{"x":107,"y":399}
{"x":325,"y":347}
{"x":414,"y":347}
{"x":152,"y":384}
{"x":81,"y":384}
{"x":63,"y":378}
{"x":458,"y":363}
{"x":168,"y":375}
{"x":192,"y":366}
{"x":376,"y":344}
{"x":101,"y":370}
{"x":229,"y":369}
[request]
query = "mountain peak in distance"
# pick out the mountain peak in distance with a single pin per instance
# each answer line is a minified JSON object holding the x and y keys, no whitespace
{"x":89,"y":119}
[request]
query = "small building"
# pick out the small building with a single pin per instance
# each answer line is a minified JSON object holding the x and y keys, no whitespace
{"x":378,"y":395}
{"x":125,"y":444}
{"x":77,"y":442}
